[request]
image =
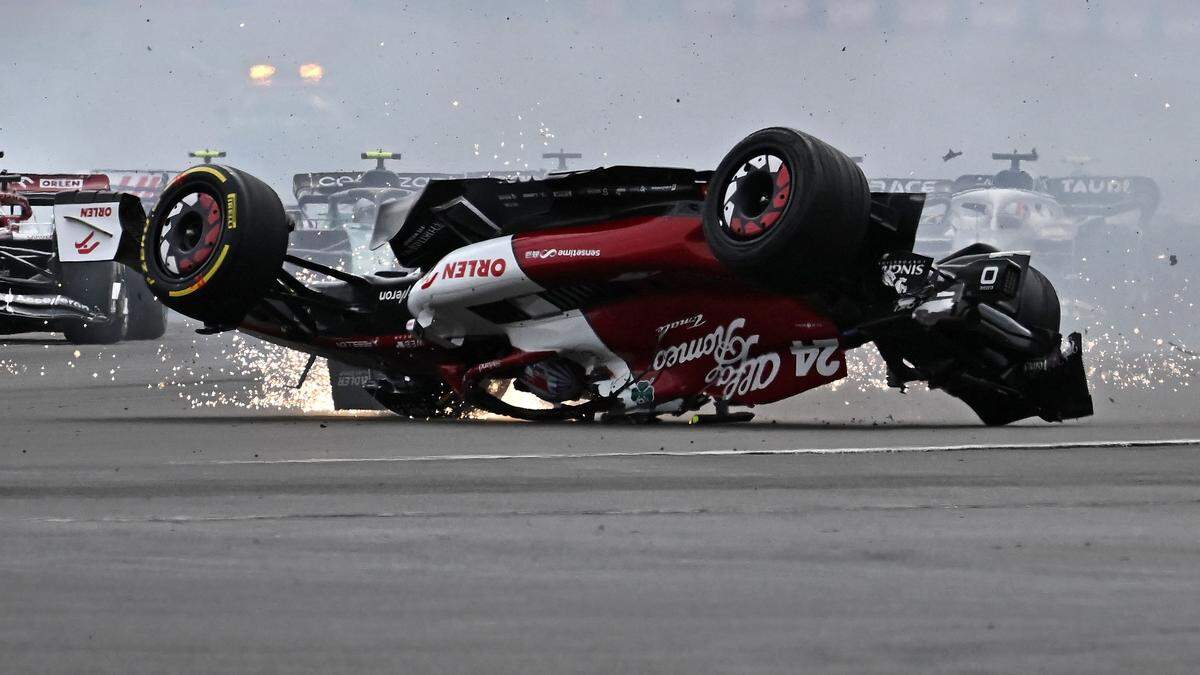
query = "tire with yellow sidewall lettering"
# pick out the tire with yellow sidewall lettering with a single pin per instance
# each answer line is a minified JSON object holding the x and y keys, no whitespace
{"x":214,"y":243}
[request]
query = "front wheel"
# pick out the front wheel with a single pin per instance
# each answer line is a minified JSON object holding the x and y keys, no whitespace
{"x":786,"y":210}
{"x":214,"y":243}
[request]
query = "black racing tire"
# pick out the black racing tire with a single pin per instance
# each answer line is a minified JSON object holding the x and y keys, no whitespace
{"x":91,"y":283}
{"x":147,"y":316}
{"x":214,"y":244}
{"x":1039,"y":307}
{"x":786,"y":210}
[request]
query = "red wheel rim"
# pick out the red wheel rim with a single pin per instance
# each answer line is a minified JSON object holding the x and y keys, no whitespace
{"x":189,"y":235}
{"x":756,"y":196}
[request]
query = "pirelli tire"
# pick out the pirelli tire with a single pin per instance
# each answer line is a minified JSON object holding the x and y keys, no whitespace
{"x":214,"y":243}
{"x":786,"y":210}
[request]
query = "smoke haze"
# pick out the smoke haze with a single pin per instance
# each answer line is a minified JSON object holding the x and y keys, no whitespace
{"x":467,"y":86}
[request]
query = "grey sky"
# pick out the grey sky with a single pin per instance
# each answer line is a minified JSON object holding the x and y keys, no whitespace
{"x":675,"y":82}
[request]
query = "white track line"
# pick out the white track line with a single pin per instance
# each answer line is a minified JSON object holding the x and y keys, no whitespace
{"x":1160,"y":443}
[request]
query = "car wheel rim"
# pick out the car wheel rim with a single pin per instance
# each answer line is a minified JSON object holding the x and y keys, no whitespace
{"x":190,"y":233}
{"x":756,"y":196}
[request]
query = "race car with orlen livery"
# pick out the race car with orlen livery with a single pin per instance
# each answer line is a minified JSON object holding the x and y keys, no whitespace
{"x":626,"y":292}
{"x":56,"y":268}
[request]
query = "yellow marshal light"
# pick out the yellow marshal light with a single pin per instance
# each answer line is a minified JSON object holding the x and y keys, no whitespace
{"x":261,"y":73}
{"x":312,"y":72}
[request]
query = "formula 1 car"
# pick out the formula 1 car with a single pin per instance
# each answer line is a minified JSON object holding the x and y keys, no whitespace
{"x":624,"y":292}
{"x":1067,"y":220}
{"x":56,"y":271}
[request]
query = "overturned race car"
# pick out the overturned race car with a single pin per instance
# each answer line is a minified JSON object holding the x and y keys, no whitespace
{"x":624,"y":292}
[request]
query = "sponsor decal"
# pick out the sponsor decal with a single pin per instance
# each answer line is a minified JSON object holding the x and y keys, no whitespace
{"x":819,"y":354}
{"x":900,"y":273}
{"x":409,"y":342}
{"x":356,"y":344}
{"x":988,"y":277}
{"x":424,"y":235}
{"x":354,"y":379}
{"x":1097,"y":186}
{"x":723,"y":340}
{"x":83,"y":247}
{"x":901,"y":185}
{"x":642,"y":393}
{"x":231,"y":210}
{"x":475,"y":267}
{"x":694,"y":321}
{"x":60,"y":183}
{"x":429,"y":281}
{"x":489,"y":366}
{"x":546,"y":254}
{"x":397,"y":294}
{"x":330,"y":181}
{"x":735,"y":372}
{"x":95,"y":212}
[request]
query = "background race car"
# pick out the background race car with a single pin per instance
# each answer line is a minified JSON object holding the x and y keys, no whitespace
{"x":1079,"y":225}
{"x":56,"y":272}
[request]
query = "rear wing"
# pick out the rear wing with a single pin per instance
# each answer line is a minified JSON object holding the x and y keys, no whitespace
{"x":323,"y":183}
{"x":928,"y":186}
{"x":40,"y":188}
{"x":1079,"y":196}
{"x":1104,"y":195}
{"x":306,"y":186}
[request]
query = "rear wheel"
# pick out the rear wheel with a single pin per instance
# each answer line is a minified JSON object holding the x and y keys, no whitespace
{"x":786,"y":210}
{"x":147,"y":316}
{"x":93,"y":284}
{"x":214,"y":243}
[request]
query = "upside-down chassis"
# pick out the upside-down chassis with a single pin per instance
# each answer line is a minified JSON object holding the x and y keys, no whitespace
{"x":344,"y":320}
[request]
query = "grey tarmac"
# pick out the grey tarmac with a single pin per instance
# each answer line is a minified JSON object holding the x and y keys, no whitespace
{"x":139,"y":534}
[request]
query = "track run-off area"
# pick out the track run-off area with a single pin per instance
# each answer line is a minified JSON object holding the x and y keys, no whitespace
{"x":190,"y":508}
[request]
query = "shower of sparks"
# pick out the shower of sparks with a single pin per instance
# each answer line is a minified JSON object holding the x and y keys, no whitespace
{"x":246,"y":374}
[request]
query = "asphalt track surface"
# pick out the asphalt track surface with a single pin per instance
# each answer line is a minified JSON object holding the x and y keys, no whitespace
{"x":138,"y":534}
